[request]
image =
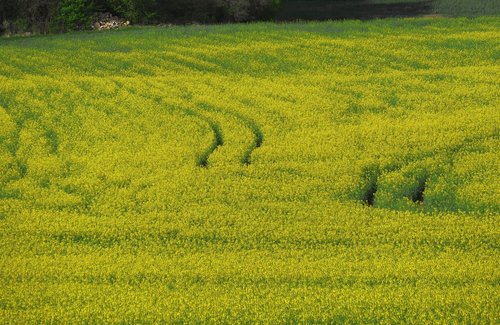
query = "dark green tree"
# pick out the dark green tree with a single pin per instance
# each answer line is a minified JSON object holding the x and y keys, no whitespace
{"x":73,"y":14}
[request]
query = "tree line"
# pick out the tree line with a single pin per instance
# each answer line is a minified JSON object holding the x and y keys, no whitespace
{"x":43,"y":16}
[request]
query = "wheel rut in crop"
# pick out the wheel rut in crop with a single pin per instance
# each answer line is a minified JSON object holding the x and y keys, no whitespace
{"x":257,"y":134}
{"x":370,"y":176}
{"x":258,"y":137}
{"x":418,"y":195}
{"x":416,"y":183}
{"x":375,"y":192}
{"x":218,"y":140}
{"x":369,"y":195}
{"x":201,"y":113}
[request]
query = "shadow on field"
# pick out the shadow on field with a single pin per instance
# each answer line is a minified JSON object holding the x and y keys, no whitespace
{"x":351,"y":9}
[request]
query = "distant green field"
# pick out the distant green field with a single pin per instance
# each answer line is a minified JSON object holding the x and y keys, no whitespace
{"x":279,"y":173}
{"x":372,"y":9}
{"x":467,"y":7}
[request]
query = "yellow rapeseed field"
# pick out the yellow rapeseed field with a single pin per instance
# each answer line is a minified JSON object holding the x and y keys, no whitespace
{"x":273,"y":173}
